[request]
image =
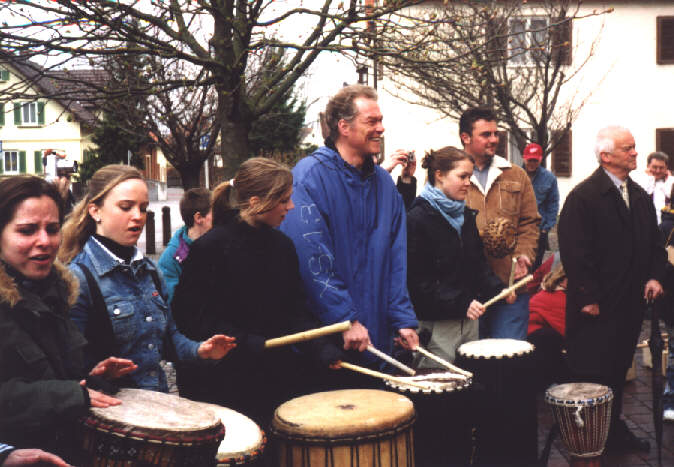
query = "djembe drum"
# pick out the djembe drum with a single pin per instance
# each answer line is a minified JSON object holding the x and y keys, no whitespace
{"x":583,"y":413}
{"x":443,"y":429}
{"x":505,"y":402}
{"x":151,"y":429}
{"x":351,"y":427}
{"x":244,"y":442}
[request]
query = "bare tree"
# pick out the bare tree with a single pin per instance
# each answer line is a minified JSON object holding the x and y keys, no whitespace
{"x":217,"y":39}
{"x":511,"y":55}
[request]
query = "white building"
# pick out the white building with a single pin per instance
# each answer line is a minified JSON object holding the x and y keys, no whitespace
{"x":628,"y":80}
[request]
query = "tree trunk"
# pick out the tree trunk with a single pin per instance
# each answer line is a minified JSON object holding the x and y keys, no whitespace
{"x":234,"y":138}
{"x":189,"y":174}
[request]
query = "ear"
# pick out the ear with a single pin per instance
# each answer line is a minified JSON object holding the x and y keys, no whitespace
{"x":93,"y":210}
{"x":254,"y":201}
{"x":465,"y":138}
{"x":344,"y":127}
{"x":604,"y":156}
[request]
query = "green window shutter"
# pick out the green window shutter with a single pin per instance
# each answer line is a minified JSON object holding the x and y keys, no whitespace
{"x":2,"y":114}
{"x":4,"y":75}
{"x":22,"y":162}
{"x":38,"y":162}
{"x":17,"y":113}
{"x":2,"y":161}
{"x":40,"y":113}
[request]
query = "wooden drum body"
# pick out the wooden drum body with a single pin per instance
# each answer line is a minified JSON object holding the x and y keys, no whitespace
{"x":352,"y":427}
{"x":443,"y":430}
{"x":583,"y":413}
{"x":244,"y":441}
{"x":151,"y":429}
{"x":504,"y":402}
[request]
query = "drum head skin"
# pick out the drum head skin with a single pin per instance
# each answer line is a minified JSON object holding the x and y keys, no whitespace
{"x":495,"y":348}
{"x":436,"y":382}
{"x":577,"y":393}
{"x":243,"y":441}
{"x":150,"y":412}
{"x":348,"y":413}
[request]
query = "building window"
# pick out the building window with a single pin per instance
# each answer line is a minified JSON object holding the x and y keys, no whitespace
{"x":4,"y":74}
{"x":562,"y":154}
{"x":29,"y":113}
{"x":665,"y":40}
{"x":536,"y":39}
{"x":10,"y":162}
{"x":664,"y":142}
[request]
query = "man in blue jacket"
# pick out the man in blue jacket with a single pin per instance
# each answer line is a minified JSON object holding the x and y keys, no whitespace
{"x":547,"y":195}
{"x":349,"y":230}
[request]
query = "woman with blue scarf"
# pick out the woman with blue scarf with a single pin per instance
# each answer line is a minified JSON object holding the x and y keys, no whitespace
{"x":447,"y":275}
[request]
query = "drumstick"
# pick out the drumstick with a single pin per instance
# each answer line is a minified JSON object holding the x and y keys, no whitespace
{"x":308,"y":335}
{"x":391,"y":360}
{"x":376,"y":374}
{"x":505,"y":292}
{"x":443,"y":362}
{"x":511,"y":280}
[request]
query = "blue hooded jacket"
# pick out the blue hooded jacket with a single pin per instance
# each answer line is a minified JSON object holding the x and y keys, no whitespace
{"x":349,"y":229}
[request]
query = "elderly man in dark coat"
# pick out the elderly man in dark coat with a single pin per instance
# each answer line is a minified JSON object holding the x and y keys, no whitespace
{"x":613,"y":255}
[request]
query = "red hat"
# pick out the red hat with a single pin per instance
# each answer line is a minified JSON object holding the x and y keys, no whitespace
{"x":533,"y":151}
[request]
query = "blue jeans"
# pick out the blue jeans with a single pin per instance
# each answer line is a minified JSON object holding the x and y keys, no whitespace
{"x":502,"y":320}
{"x":669,"y":380}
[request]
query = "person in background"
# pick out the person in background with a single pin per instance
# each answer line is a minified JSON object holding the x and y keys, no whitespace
{"x":350,"y":233}
{"x":407,"y":182}
{"x":500,"y":189}
{"x":612,"y":253}
{"x":447,"y":271}
{"x":122,"y":308}
{"x":657,"y":181}
{"x":547,"y":196}
{"x":12,"y":457}
{"x":666,"y":308}
{"x":44,"y":387}
{"x":242,"y":278}
{"x":195,"y":209}
{"x":62,"y":182}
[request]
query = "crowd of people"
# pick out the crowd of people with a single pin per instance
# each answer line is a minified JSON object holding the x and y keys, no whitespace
{"x":83,"y":312}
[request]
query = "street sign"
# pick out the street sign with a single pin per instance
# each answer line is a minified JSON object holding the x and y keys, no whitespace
{"x":203,"y":142}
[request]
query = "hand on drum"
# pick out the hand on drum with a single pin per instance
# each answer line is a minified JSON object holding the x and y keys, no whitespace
{"x":113,"y":367}
{"x":33,"y":457}
{"x":475,"y":310}
{"x":652,"y":290}
{"x":522,"y":266}
{"x":409,"y":339}
{"x":356,"y":338}
{"x":99,"y":399}
{"x":216,"y":347}
{"x":592,"y":309}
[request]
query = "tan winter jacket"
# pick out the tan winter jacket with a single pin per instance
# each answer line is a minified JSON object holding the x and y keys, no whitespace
{"x":508,"y":194}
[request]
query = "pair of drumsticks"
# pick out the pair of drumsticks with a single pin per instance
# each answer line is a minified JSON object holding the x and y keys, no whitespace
{"x":346,"y":325}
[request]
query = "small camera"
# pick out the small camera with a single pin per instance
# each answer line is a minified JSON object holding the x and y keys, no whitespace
{"x":410,"y":156}
{"x":65,"y":166}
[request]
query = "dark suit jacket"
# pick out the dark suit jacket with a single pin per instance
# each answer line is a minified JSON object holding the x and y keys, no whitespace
{"x":609,"y":252}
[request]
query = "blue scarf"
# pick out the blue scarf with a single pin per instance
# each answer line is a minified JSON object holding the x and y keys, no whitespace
{"x":450,"y":209}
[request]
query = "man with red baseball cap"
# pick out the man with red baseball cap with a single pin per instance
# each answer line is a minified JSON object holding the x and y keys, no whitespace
{"x":547,"y":195}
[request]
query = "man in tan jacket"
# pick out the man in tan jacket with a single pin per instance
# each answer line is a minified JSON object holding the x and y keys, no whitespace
{"x":501,"y":189}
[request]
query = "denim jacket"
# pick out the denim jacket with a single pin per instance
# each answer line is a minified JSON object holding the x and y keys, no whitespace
{"x":140,"y":317}
{"x":547,"y":197}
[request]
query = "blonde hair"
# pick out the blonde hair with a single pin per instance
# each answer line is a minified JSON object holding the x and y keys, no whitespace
{"x":265,"y":178}
{"x":552,"y":279}
{"x":79,"y":225}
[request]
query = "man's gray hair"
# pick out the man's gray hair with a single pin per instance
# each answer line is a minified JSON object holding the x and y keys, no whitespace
{"x":661,"y":156}
{"x":606,"y":140}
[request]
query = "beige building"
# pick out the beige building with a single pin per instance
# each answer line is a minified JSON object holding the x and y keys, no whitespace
{"x":55,"y":121}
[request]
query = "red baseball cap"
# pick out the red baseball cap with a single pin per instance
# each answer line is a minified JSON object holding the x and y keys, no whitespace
{"x":533,"y":151}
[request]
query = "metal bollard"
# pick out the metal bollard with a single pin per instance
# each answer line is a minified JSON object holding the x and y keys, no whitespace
{"x":149,"y":234}
{"x":166,"y":224}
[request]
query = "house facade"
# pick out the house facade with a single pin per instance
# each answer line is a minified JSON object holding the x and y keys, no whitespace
{"x":44,"y":124}
{"x":626,"y":81}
